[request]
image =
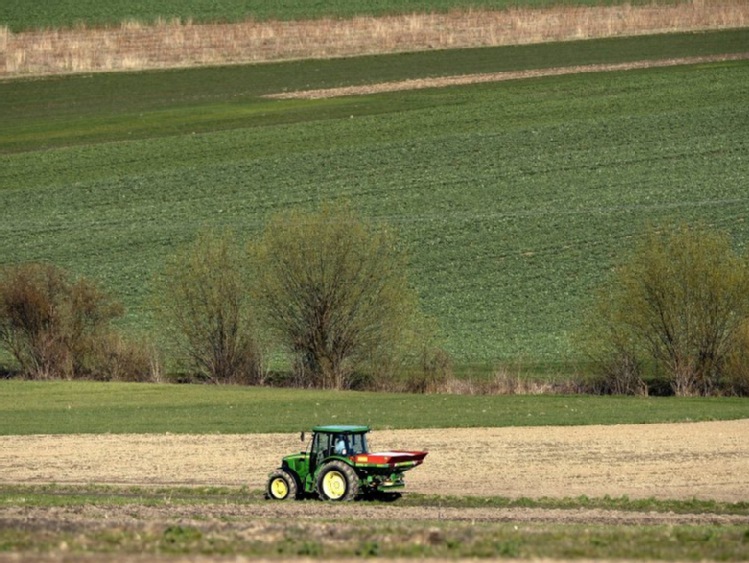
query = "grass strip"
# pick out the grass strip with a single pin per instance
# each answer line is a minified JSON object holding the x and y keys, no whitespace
{"x":623,"y":503}
{"x":64,"y":407}
{"x":161,"y":534}
{"x":402,"y":539}
{"x":59,"y":495}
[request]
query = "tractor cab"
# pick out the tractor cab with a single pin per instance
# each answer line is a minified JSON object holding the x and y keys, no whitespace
{"x":339,"y":441}
{"x":337,"y":465}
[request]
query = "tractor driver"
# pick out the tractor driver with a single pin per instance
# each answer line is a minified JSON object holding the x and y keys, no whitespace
{"x":340,"y":445}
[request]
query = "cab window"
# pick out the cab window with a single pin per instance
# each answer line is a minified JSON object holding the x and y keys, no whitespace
{"x":358,"y":444}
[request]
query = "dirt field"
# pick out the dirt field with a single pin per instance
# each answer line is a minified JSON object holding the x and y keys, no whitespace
{"x":708,"y":460}
{"x":705,"y":460}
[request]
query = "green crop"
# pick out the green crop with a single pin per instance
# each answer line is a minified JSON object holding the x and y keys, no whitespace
{"x":19,"y":15}
{"x":513,"y":199}
{"x":64,"y":407}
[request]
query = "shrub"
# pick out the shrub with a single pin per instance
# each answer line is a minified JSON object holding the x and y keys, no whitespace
{"x":435,"y":371}
{"x":613,"y":350}
{"x":51,"y":325}
{"x":205,"y":303}
{"x":125,"y":360}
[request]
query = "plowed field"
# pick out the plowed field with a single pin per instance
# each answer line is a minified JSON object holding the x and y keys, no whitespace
{"x":707,"y":460}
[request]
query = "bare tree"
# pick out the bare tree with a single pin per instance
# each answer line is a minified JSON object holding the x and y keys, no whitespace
{"x":678,"y":304}
{"x":336,"y":291}
{"x":52,"y":326}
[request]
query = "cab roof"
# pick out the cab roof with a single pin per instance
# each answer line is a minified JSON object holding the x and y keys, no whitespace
{"x":341,"y":429}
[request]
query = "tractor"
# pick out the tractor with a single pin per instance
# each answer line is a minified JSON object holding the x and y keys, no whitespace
{"x":338,"y":466}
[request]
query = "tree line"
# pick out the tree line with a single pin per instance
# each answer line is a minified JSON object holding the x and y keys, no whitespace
{"x":332,"y":291}
{"x":328,"y":288}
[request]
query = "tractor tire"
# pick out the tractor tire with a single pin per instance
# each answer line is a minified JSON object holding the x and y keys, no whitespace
{"x":281,"y":486}
{"x":337,"y":481}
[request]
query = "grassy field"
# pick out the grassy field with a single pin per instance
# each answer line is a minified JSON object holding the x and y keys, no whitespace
{"x":52,"y":112}
{"x":151,"y":529}
{"x":402,"y":538}
{"x":80,"y":407}
{"x":18,"y":15}
{"x":386,"y":538}
{"x":390,"y":537}
{"x":513,"y":199}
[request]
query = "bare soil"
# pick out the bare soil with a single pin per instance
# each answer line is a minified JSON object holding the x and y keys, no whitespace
{"x":705,"y":460}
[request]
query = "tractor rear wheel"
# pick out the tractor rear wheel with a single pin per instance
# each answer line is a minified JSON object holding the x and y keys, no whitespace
{"x":281,"y":486}
{"x":337,"y":481}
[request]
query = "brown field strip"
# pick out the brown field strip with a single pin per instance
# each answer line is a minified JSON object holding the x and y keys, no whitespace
{"x":421,"y":83}
{"x":134,"y":46}
{"x":706,"y":460}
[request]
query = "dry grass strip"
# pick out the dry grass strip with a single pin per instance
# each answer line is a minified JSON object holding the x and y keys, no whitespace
{"x":421,"y":83}
{"x":174,"y":44}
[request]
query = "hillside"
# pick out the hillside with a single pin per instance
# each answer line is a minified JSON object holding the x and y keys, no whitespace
{"x":514,"y":199}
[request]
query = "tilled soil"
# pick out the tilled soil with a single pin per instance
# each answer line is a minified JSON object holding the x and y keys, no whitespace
{"x":705,"y":460}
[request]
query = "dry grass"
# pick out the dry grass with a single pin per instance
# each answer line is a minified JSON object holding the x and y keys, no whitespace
{"x":168,"y":44}
{"x":504,"y":382}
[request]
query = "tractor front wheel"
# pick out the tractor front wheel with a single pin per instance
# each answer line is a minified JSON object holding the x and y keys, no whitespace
{"x":337,"y":481}
{"x":281,"y":486}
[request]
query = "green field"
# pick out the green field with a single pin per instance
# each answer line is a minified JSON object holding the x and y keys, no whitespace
{"x":513,"y":199}
{"x":19,"y":15}
{"x":94,"y":408}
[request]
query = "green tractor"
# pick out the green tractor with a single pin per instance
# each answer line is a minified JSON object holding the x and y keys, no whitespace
{"x":337,"y":465}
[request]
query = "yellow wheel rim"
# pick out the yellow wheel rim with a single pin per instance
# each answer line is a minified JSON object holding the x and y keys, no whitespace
{"x":334,"y":485}
{"x":279,"y":488}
